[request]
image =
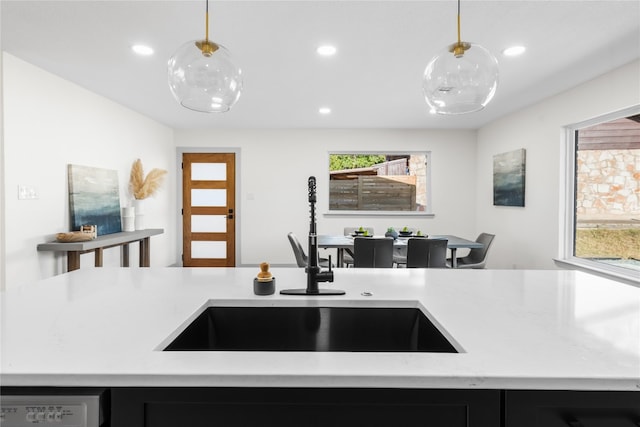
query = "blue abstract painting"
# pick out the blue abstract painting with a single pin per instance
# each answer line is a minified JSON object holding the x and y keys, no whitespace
{"x":94,"y":198}
{"x":509,"y":178}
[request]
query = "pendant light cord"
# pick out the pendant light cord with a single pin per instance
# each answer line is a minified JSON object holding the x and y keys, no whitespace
{"x":459,"y":41}
{"x":206,"y":37}
{"x":206,"y":46}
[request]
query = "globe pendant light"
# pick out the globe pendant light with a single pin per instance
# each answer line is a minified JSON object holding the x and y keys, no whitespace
{"x":461,"y":79}
{"x":203,"y":77}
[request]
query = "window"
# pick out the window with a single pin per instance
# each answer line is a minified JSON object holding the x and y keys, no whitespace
{"x":379,"y":183}
{"x":602,"y":228}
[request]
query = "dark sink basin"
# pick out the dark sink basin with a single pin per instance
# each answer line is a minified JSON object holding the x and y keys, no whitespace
{"x":311,"y":329}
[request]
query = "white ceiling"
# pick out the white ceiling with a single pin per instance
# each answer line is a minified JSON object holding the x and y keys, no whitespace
{"x":375,"y":79}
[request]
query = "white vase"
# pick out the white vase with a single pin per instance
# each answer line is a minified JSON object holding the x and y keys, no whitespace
{"x":128,"y":219}
{"x":138,"y":205}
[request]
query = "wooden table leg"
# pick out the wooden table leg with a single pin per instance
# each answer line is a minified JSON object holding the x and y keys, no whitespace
{"x":98,"y":256}
{"x":145,"y":252}
{"x":125,"y":255}
{"x":73,"y":260}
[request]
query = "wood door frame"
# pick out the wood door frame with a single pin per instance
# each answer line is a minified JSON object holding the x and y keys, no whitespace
{"x":207,"y":150}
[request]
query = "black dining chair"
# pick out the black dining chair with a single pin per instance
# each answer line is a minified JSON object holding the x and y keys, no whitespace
{"x":372,"y":252}
{"x":400,"y":252}
{"x":427,"y":253}
{"x":301,"y":257}
{"x":477,"y":258}
{"x":347,"y":258}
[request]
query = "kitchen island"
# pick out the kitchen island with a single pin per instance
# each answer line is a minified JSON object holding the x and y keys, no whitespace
{"x":515,"y":330}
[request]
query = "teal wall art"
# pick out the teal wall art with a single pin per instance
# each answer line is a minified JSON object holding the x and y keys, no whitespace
{"x":94,"y":198}
{"x":509,"y":178}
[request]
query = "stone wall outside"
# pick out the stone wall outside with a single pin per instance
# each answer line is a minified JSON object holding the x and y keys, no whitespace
{"x":608,"y":185}
{"x":418,"y":167}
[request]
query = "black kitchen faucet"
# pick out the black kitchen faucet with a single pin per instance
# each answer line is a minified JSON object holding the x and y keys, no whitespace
{"x":313,"y":270}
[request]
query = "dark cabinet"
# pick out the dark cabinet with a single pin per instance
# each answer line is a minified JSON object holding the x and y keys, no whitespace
{"x":571,"y":409}
{"x":355,"y":407}
{"x":282,"y":407}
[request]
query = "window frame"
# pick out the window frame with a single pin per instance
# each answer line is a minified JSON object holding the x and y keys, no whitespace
{"x":428,"y":212}
{"x":567,"y":204}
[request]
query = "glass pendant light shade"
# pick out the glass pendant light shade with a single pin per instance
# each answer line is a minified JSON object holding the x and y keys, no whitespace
{"x":461,"y":78}
{"x":203,"y":77}
{"x":460,"y":83}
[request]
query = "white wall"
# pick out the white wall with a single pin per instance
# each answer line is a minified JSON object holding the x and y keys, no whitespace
{"x":50,"y":123}
{"x":2,"y":171}
{"x":275,"y":164}
{"x":529,"y":237}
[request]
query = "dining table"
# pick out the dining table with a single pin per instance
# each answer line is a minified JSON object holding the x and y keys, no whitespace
{"x":342,"y":243}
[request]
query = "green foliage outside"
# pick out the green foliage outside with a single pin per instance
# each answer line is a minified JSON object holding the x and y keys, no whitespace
{"x":352,"y":161}
{"x":608,"y":243}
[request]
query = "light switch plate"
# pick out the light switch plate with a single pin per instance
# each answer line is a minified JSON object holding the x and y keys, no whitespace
{"x":27,"y":192}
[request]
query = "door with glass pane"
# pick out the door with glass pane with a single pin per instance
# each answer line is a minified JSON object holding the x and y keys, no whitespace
{"x":208,"y":208}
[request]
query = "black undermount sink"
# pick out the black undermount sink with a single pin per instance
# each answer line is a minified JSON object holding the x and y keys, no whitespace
{"x":370,"y":329}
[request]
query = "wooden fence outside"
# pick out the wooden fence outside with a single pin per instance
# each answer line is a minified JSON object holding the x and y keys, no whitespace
{"x":392,"y":167}
{"x":374,"y":193}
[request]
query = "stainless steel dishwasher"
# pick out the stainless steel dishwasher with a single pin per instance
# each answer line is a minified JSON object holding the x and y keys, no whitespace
{"x":63,"y":407}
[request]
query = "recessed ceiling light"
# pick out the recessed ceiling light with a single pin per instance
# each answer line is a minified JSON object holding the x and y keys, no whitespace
{"x":324,"y":110}
{"x":326,"y":50}
{"x":142,"y":50}
{"x":514,"y":51}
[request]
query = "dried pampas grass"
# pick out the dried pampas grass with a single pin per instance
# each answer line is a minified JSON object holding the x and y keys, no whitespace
{"x":142,"y":187}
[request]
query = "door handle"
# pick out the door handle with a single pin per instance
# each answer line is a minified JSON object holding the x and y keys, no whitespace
{"x":230,"y":215}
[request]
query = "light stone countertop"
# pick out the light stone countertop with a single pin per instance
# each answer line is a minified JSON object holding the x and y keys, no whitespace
{"x":518,"y":329}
